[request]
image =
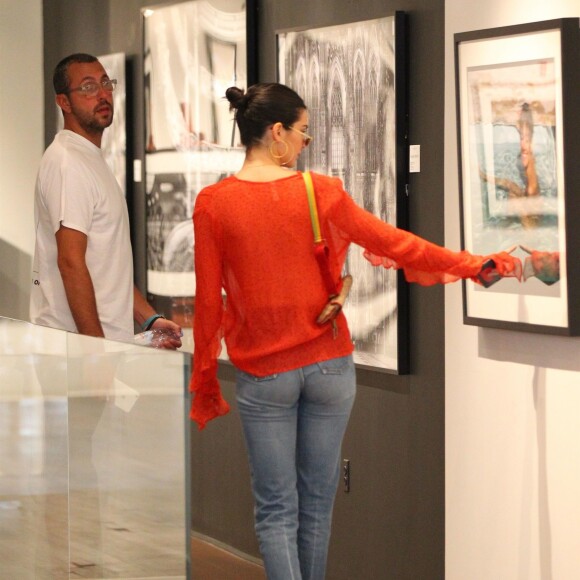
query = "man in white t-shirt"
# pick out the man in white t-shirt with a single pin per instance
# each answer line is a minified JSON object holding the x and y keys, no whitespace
{"x":83,"y":266}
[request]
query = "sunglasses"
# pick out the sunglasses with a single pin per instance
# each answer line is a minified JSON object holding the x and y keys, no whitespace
{"x":307,"y":138}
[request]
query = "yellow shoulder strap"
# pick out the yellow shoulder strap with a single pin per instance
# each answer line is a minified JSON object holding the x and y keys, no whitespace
{"x":312,"y":206}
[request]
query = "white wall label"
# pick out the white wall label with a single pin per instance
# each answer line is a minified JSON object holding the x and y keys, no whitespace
{"x":414,"y":158}
{"x":137,"y":170}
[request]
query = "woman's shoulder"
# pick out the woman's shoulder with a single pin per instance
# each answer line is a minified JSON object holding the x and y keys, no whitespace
{"x":213,"y":190}
{"x":328,"y":189}
{"x":206,"y":198}
{"x":326,"y":181}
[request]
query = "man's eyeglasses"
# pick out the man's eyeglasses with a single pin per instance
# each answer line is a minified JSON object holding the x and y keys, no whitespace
{"x":307,"y":138}
{"x":91,"y":89}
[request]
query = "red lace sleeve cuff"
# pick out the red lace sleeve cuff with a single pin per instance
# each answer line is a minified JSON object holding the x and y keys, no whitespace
{"x":207,"y":406}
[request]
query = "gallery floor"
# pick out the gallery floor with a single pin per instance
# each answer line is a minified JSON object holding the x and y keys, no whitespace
{"x":212,"y":563}
{"x":116,"y":527}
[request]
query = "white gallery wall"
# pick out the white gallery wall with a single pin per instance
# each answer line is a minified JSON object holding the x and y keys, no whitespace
{"x":21,"y":146}
{"x":512,"y":398}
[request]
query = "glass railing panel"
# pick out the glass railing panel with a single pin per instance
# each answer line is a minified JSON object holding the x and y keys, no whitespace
{"x":94,"y":461}
{"x":127,"y":461}
{"x":33,"y":452}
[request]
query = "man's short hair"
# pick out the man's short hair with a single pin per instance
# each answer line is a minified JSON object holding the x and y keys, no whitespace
{"x":60,"y":79}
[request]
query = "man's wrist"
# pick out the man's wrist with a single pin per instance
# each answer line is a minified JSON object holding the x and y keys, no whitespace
{"x":150,"y":321}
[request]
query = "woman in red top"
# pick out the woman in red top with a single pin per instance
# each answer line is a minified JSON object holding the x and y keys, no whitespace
{"x":295,"y":381}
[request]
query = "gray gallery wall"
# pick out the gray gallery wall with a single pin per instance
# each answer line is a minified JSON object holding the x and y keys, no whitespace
{"x":14,"y":281}
{"x":391,"y":524}
{"x":21,"y":146}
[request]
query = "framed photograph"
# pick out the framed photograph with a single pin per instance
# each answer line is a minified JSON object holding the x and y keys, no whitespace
{"x":518,"y":123}
{"x":193,"y":51}
{"x":352,"y":78}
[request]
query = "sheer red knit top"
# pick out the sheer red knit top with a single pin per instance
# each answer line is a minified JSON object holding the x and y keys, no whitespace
{"x":254,"y":242}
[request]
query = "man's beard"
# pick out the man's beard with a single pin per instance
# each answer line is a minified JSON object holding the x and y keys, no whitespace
{"x":91,"y":123}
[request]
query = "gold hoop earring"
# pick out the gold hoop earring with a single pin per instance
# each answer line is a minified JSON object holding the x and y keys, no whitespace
{"x":278,"y":156}
{"x":290,"y":153}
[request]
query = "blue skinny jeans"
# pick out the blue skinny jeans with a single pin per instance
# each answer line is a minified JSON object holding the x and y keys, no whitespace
{"x":294,"y":423}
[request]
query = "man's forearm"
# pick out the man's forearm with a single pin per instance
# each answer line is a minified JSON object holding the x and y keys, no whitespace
{"x":80,"y":294}
{"x":142,"y":310}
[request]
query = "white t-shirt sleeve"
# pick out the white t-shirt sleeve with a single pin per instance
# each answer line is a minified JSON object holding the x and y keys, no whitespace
{"x":69,"y":197}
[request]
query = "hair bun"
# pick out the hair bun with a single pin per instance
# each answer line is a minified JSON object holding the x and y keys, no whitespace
{"x":235,"y":96}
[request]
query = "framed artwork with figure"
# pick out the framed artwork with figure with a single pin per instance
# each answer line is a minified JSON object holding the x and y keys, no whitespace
{"x":518,"y":147}
{"x":352,"y":78}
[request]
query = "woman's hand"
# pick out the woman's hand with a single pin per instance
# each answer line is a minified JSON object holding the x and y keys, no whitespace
{"x":334,"y":305}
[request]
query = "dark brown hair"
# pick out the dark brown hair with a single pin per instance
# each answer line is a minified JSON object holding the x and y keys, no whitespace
{"x":261,"y":106}
{"x":60,"y":78}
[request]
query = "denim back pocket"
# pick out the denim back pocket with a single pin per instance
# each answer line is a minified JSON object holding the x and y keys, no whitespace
{"x":256,"y":379}
{"x":335,"y":366}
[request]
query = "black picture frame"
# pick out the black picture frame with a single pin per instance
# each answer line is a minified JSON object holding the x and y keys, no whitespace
{"x":373,"y":101}
{"x":192,"y":52}
{"x":518,"y":149}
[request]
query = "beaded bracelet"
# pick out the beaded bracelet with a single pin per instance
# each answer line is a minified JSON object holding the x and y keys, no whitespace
{"x":149,"y":322}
